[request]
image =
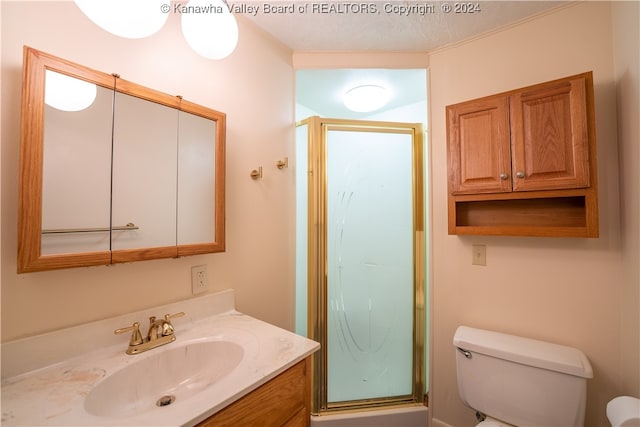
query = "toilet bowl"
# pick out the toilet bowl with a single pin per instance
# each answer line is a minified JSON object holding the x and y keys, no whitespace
{"x":624,"y":411}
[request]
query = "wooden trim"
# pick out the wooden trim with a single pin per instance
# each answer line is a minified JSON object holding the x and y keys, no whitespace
{"x":41,"y":59}
{"x":588,"y":76}
{"x":524,"y":231}
{"x":128,"y":88}
{"x":142,"y":254}
{"x":540,"y":194}
{"x":56,"y":262}
{"x":200,"y":249}
{"x":593,"y":228}
{"x":31,"y":154}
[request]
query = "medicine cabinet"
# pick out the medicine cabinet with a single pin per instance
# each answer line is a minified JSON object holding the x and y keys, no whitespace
{"x":523,"y":162}
{"x":132,"y":174}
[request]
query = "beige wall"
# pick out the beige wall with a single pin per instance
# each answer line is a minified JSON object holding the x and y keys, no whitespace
{"x":626,"y":33}
{"x":254,"y":87}
{"x":577,"y":292}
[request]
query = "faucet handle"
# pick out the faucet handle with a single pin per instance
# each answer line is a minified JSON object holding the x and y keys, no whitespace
{"x":167,"y":327}
{"x":136,"y":336}
{"x":167,"y":317}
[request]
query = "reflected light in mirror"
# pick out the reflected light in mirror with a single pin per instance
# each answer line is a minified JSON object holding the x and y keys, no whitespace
{"x":132,"y":19}
{"x":366,"y":98}
{"x":213,"y":35}
{"x":67,"y":93}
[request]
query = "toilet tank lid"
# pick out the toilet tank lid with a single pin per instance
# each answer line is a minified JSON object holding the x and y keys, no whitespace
{"x":527,"y":351}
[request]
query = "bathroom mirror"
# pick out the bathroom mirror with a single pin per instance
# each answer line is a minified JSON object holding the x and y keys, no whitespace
{"x":131,"y":174}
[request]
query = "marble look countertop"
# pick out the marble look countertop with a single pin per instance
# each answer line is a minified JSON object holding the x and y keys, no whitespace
{"x":54,"y":394}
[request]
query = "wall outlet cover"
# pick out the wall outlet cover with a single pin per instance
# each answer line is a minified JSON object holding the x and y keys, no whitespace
{"x":199,"y":279}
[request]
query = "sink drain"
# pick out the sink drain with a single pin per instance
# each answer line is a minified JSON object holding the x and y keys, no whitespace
{"x":166,"y":400}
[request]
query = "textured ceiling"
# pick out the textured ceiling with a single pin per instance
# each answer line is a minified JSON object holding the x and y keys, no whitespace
{"x":379,"y":26}
{"x":395,"y":25}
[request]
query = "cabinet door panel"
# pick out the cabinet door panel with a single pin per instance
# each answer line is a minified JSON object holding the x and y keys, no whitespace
{"x":145,"y":147}
{"x":478,"y":144}
{"x":76,"y":173}
{"x":549,"y":137}
{"x":274,"y":404}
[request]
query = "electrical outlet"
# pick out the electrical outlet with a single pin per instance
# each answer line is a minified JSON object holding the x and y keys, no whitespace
{"x":199,"y":281}
{"x":479,"y":255}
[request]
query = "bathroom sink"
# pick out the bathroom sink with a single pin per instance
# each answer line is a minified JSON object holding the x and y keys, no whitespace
{"x":164,"y":378}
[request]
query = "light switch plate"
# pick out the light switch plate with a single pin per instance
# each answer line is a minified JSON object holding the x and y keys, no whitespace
{"x":479,"y":255}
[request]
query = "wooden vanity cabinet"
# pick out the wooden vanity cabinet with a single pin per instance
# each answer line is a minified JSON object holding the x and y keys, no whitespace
{"x":284,"y":401}
{"x":524,"y":162}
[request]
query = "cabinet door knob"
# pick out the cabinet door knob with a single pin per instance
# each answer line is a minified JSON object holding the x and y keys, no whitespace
{"x":520,"y":174}
{"x":503,"y":176}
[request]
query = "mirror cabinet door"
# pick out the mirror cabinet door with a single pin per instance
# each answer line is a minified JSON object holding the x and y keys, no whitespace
{"x":76,"y":170}
{"x":145,"y":150}
{"x":35,"y":251}
{"x":201,"y":153}
{"x":196,"y":179}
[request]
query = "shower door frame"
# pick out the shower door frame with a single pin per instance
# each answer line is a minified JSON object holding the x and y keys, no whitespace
{"x":317,"y":274}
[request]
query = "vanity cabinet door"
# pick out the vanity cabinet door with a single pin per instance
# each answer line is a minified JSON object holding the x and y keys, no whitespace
{"x":285,"y":401}
{"x":549,"y":136}
{"x":478,"y":144}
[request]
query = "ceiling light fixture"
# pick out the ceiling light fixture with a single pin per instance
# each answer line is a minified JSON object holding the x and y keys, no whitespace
{"x":212,"y":33}
{"x":67,"y":93}
{"x":208,"y":25}
{"x":366,"y":98}
{"x":132,"y":19}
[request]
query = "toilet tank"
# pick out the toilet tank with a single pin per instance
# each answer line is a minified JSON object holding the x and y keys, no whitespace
{"x":521,"y":381}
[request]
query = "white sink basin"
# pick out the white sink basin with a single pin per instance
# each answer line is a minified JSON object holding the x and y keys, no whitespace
{"x":167,"y":377}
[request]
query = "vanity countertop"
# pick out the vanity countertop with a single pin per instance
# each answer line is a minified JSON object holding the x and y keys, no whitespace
{"x":54,"y":394}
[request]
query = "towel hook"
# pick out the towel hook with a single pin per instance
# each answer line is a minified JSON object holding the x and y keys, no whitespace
{"x":281,"y":164}
{"x":256,"y":174}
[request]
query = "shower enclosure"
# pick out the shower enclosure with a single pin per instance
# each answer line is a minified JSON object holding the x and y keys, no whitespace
{"x":360,"y":276}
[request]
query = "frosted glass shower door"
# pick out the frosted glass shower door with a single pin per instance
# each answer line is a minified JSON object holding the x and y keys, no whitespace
{"x":370,"y":264}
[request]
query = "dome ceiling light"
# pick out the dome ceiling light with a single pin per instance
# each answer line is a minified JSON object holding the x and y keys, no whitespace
{"x":208,"y":26}
{"x":214,"y":34}
{"x":366,"y":98}
{"x":131,"y":19}
{"x":67,"y":93}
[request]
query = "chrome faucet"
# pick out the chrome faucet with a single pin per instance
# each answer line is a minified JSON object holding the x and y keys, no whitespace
{"x":161,"y":332}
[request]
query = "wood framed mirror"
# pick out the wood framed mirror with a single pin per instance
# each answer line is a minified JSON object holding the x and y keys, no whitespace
{"x":134,"y":174}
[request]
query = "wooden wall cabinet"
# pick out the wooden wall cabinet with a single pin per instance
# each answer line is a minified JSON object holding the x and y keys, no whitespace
{"x":285,"y":401}
{"x":523,"y":162}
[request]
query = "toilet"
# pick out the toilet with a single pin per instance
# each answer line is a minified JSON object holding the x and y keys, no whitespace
{"x":515,"y":381}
